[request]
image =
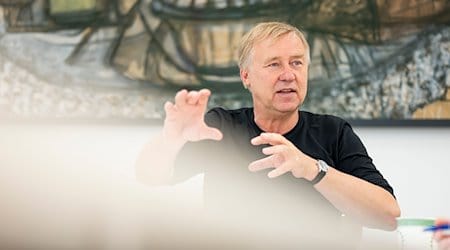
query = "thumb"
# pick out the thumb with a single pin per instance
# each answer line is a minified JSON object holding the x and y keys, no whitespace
{"x":213,"y":134}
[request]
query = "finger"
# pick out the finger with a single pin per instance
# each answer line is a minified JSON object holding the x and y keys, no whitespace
{"x":180,"y":97}
{"x":269,"y":138}
{"x":192,"y":97}
{"x":278,"y":171}
{"x":441,"y":221}
{"x":274,"y":149}
{"x":168,"y":107}
{"x":170,"y":110}
{"x":213,"y":134}
{"x":257,"y":140}
{"x":204,"y":95}
{"x":274,"y":138}
{"x":261,"y":164}
{"x":438,"y":235}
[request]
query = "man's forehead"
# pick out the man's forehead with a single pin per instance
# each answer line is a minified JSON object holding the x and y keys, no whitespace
{"x":272,"y":41}
{"x":297,"y":52}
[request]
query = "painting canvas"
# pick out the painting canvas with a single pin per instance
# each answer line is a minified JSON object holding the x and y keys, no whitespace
{"x":372,"y":61}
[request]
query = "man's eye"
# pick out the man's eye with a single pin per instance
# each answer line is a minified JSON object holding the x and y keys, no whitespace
{"x":297,"y":63}
{"x":273,"y":65}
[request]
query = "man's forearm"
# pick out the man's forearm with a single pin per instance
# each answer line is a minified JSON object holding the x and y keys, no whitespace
{"x":155,"y":163}
{"x":371,"y":204}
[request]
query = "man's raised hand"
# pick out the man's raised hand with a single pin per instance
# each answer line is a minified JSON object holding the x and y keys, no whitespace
{"x":185,"y":118}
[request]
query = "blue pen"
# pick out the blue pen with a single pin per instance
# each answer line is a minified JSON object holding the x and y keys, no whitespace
{"x":443,"y":227}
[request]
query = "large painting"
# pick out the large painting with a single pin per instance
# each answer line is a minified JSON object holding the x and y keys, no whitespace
{"x":373,"y":61}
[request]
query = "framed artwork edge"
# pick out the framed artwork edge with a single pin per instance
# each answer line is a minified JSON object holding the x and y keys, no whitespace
{"x":399,"y":123}
{"x":444,"y":123}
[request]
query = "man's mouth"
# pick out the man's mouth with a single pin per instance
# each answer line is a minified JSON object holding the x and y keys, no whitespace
{"x":286,"y":91}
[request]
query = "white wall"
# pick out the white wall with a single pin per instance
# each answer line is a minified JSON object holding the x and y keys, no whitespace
{"x":416,"y":161}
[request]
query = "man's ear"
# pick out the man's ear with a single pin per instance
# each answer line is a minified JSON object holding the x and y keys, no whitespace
{"x":244,"y":77}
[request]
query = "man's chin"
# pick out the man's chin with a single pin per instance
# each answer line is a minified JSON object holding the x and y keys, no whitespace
{"x":287,"y":108}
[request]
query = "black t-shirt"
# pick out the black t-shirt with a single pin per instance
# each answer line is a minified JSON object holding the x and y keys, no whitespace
{"x":233,"y":193}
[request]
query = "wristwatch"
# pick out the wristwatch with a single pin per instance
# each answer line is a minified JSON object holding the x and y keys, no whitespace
{"x":323,"y":169}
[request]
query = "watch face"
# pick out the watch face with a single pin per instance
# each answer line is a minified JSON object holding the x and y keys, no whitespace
{"x":322,"y":166}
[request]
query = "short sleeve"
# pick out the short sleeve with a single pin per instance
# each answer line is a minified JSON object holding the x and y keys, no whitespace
{"x":353,"y":159}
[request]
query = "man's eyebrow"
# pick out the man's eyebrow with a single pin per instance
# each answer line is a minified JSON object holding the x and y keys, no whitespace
{"x":298,"y":56}
{"x":301,"y":56}
{"x":271,"y":59}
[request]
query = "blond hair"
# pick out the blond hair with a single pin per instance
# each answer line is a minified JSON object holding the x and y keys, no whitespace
{"x":266,"y":30}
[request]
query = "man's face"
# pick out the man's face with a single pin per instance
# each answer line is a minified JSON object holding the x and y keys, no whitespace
{"x":277,"y":74}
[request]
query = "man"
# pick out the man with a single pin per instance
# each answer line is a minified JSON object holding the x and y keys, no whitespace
{"x":272,"y":167}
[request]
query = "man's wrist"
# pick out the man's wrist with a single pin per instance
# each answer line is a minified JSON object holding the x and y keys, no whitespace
{"x":322,"y":168}
{"x":312,"y":170}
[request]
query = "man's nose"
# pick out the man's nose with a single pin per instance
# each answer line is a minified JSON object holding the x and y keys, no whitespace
{"x":287,"y":75}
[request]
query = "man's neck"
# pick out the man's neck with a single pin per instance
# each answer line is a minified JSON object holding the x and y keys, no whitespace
{"x":280,"y":123}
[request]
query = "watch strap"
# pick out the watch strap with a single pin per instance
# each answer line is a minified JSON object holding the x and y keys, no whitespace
{"x":319,"y":175}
